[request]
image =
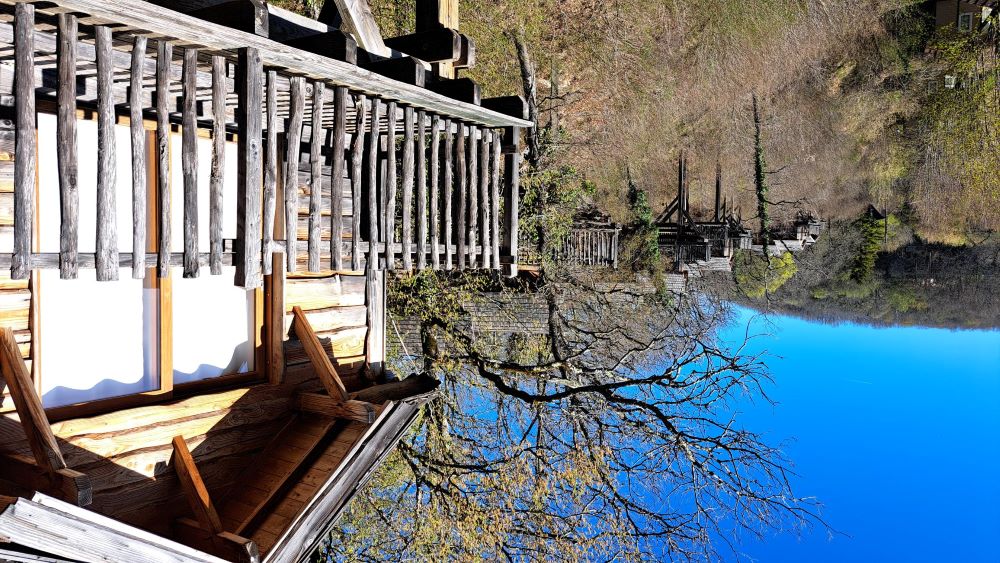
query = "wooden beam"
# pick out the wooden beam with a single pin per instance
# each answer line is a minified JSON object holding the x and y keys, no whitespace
{"x":227,"y":545}
{"x":189,"y":160}
{"x":435,"y":162}
{"x":462,"y":89}
{"x":218,"y":171}
{"x":473,"y":194}
{"x":416,"y":384}
{"x":357,"y":19}
{"x":421,"y":149}
{"x":372,"y":162}
{"x":338,"y":165}
{"x":511,"y":197}
{"x":194,"y":488}
{"x":375,"y":313}
{"x":431,"y":14}
{"x":514,"y":106}
{"x":462,"y":197}
{"x":357,"y":157}
{"x":245,"y":15}
{"x":65,"y":484}
{"x":270,"y":170}
{"x":24,"y":139}
{"x":164,"y":53}
{"x":107,"y":222}
{"x":407,"y":205}
{"x":495,"y":200}
{"x":448,"y":193}
{"x":403,"y":69}
{"x":249,"y":126}
{"x":436,"y":45}
{"x":69,"y":196}
{"x":389,"y":221}
{"x":334,"y":44}
{"x":316,"y":140}
{"x":484,"y":198}
{"x":140,"y":167}
{"x":318,"y":403}
{"x":293,"y":140}
{"x":317,"y":355}
{"x":467,"y":59}
{"x":274,"y":314}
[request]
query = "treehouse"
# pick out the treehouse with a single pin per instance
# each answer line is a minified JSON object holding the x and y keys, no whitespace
{"x":199,"y":202}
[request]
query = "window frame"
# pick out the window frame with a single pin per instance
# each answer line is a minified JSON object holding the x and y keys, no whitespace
{"x":970,"y":18}
{"x":164,"y":286}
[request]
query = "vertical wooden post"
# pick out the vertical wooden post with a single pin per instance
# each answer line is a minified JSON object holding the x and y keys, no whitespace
{"x":435,"y":219}
{"x":69,"y":197}
{"x":293,"y":140}
{"x":249,"y":127}
{"x":337,"y":178}
{"x":164,"y":54}
{"x":357,"y":154}
{"x":270,"y":172}
{"x":217,"y":176}
{"x":448,"y":195}
{"x":407,"y":205}
{"x":189,"y":161}
{"x":139,"y":166}
{"x":390,"y":188}
{"x":316,"y":138}
{"x":495,"y":200}
{"x":511,"y":195}
{"x":107,"y":225}
{"x":462,"y":196}
{"x":473,"y":201}
{"x":718,"y":191}
{"x":484,"y":197}
{"x":372,"y":162}
{"x":24,"y":139}
{"x":421,"y":151}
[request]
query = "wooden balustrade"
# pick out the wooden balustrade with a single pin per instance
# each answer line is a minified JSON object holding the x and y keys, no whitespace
{"x":337,"y":132}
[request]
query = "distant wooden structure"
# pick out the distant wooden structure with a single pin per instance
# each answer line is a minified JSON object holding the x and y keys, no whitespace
{"x":592,"y":240}
{"x":799,"y":236}
{"x":199,"y":202}
{"x":687,"y":240}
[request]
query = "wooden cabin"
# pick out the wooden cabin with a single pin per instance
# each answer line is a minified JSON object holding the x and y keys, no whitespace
{"x":963,"y":15}
{"x":199,"y":202}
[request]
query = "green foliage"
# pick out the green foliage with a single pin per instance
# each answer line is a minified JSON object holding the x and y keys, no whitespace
{"x":873,"y":235}
{"x":642,"y":235}
{"x":758,"y":276}
{"x":433,"y":296}
{"x":551,"y":196}
{"x":760,"y":175}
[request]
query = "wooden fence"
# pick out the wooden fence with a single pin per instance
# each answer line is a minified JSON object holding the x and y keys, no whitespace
{"x":128,"y":61}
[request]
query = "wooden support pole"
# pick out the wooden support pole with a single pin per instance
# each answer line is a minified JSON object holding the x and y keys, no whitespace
{"x":140,"y":181}
{"x":317,"y":355}
{"x":407,"y":205}
{"x":495,"y":200}
{"x":189,"y":160}
{"x":69,"y":197}
{"x":512,"y":196}
{"x":375,"y":308}
{"x":421,"y":150}
{"x":357,"y":154}
{"x":337,"y":178}
{"x":218,"y":171}
{"x":249,"y":127}
{"x":462,"y":211}
{"x":318,"y":403}
{"x":435,"y":219}
{"x":164,"y":54}
{"x":390,"y":188}
{"x":107,"y":224}
{"x":316,"y":139}
{"x":372,"y":162}
{"x":293,"y":140}
{"x":24,"y":139}
{"x":473,"y":199}
{"x":484,"y":197}
{"x":274,"y":315}
{"x":448,"y":195}
{"x":270,"y":172}
{"x":194,"y":488}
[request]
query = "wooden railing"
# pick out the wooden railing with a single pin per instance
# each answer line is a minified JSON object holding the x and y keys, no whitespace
{"x":590,"y":246}
{"x":298,"y":118}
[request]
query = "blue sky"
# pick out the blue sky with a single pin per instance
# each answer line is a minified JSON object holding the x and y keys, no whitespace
{"x":895,"y":430}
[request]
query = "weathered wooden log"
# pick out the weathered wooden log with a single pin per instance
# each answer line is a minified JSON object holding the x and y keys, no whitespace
{"x":435,"y":220}
{"x":164,"y":54}
{"x":337,"y":177}
{"x":324,"y":369}
{"x":511,"y":195}
{"x":249,"y":127}
{"x":495,"y":200}
{"x":293,"y":140}
{"x":416,"y":384}
{"x":316,"y":138}
{"x":218,"y":171}
{"x":69,"y":197}
{"x":437,"y":45}
{"x":421,"y":190}
{"x":189,"y":160}
{"x":357,"y":153}
{"x":407,"y":205}
{"x":390,"y":189}
{"x":270,"y":170}
{"x":448,"y":193}
{"x":318,"y":403}
{"x":139,"y":165}
{"x":24,"y":139}
{"x":473,"y":198}
{"x":461,"y":212}
{"x":372,"y":161}
{"x":107,"y":224}
{"x":484,"y":197}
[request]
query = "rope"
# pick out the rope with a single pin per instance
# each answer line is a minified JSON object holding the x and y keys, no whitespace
{"x":406,"y":353}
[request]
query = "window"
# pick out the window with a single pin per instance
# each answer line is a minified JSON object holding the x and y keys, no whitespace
{"x":965,"y":21}
{"x":97,"y":341}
